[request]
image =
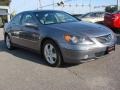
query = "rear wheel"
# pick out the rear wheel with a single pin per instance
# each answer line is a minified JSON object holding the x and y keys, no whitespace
{"x":52,"y":54}
{"x":8,"y":42}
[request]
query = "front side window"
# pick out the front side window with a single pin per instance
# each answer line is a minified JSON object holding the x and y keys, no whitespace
{"x":27,"y":18}
{"x":54,"y":17}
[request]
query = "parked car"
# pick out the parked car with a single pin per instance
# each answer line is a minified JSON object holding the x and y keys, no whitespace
{"x":94,"y":17}
{"x":112,"y":20}
{"x":58,"y":36}
{"x":78,"y":16}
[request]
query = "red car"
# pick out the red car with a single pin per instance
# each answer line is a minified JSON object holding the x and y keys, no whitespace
{"x":112,"y":20}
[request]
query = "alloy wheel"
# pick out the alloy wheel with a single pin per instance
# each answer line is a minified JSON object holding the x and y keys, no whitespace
{"x":50,"y":53}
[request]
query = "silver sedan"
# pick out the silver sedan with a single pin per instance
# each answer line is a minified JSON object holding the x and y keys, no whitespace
{"x":58,"y":36}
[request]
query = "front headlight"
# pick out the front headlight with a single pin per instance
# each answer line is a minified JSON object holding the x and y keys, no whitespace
{"x":78,"y":39}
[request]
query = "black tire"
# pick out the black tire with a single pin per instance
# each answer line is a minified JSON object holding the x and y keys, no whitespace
{"x":59,"y":60}
{"x":11,"y":46}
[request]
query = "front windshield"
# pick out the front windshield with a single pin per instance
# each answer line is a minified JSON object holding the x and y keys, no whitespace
{"x":54,"y":17}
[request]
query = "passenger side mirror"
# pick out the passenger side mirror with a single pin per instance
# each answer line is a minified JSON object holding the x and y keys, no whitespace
{"x":32,"y":25}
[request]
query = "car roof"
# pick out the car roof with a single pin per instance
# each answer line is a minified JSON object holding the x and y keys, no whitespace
{"x":32,"y":11}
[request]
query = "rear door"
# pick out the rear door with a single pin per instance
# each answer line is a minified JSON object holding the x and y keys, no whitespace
{"x":15,"y":29}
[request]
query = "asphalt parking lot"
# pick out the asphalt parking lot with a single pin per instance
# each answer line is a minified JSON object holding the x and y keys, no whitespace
{"x":24,"y":70}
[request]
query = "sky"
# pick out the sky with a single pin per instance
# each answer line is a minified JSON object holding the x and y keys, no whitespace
{"x":72,"y":6}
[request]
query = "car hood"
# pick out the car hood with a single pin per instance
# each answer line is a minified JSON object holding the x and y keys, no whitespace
{"x":89,"y":29}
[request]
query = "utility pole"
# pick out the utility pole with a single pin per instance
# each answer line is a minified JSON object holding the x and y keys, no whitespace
{"x":118,"y":5}
{"x":40,"y":5}
{"x":90,"y":6}
{"x":53,"y":4}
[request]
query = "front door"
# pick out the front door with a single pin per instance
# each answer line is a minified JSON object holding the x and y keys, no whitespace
{"x":29,"y":35}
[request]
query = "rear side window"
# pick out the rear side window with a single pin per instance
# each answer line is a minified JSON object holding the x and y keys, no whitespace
{"x":16,"y":19}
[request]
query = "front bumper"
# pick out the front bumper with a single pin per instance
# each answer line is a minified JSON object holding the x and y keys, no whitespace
{"x":77,"y":56}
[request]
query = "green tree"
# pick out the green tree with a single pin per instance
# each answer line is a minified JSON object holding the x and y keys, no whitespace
{"x":111,"y":9}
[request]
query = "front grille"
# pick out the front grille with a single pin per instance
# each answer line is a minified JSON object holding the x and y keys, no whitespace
{"x":105,"y":39}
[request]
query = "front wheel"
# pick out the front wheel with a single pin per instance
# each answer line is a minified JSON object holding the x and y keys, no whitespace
{"x":52,"y":53}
